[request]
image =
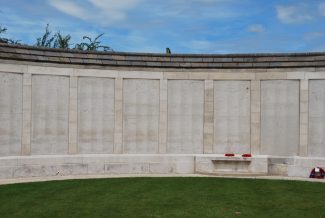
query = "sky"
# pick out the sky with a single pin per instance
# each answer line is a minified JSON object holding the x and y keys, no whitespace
{"x":185,"y":26}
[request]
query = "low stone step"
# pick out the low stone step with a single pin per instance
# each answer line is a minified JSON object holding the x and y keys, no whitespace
{"x":232,"y":173}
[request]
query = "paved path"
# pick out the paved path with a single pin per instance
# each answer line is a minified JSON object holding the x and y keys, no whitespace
{"x":56,"y":178}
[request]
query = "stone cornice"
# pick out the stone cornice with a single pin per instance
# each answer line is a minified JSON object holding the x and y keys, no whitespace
{"x":153,"y":60}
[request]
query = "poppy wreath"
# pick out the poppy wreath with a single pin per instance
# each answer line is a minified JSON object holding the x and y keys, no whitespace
{"x":229,"y":154}
{"x":247,"y":155}
{"x":317,"y":173}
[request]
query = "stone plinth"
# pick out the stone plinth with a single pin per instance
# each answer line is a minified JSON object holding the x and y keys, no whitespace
{"x":221,"y":165}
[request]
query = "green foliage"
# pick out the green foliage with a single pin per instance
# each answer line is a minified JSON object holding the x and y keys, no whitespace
{"x":92,"y":44}
{"x":3,"y":30}
{"x":58,"y":40}
{"x":62,"y":41}
{"x":47,"y":39}
{"x":50,"y":40}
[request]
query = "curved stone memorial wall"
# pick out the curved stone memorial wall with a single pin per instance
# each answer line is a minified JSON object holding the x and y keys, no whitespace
{"x":65,"y":112}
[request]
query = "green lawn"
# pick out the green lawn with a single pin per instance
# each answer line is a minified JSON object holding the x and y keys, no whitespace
{"x":163,"y":197}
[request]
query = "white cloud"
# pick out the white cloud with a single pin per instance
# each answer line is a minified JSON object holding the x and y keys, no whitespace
{"x":256,"y":28}
{"x":293,"y":14}
{"x":196,"y":9}
{"x":201,"y":45}
{"x":69,"y":8}
{"x":270,"y":43}
{"x":314,"y":35}
{"x":104,"y":12}
{"x":116,"y":12}
{"x":322,"y":9}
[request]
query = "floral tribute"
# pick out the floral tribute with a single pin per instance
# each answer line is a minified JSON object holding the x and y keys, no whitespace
{"x":317,"y":173}
{"x":247,"y":155}
{"x":230,"y":155}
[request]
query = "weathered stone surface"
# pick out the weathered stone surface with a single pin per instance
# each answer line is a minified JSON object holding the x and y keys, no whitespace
{"x":141,"y":116}
{"x":163,"y":116}
{"x":27,"y":114}
{"x":91,"y":164}
{"x":96,"y":111}
{"x":49,"y":170}
{"x":316,"y":145}
{"x":73,"y":115}
{"x":118,"y":129}
{"x":231,"y":117}
{"x":6,"y":172}
{"x":185,"y":116}
{"x":208,"y":117}
{"x":304,"y":119}
{"x":50,"y":110}
{"x":219,"y":164}
{"x":280,"y":117}
{"x":255,"y":99}
{"x":151,"y":106}
{"x":278,"y":169}
{"x":147,"y":60}
{"x":11,"y":92}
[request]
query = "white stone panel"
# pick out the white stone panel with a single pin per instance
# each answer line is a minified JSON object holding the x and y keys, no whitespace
{"x":92,"y":164}
{"x":220,"y":165}
{"x":10,"y":113}
{"x":280,"y":117}
{"x":316,"y":145}
{"x":231,"y":117}
{"x":185,"y":116}
{"x":141,"y":116}
{"x":50,"y":114}
{"x":95,"y":115}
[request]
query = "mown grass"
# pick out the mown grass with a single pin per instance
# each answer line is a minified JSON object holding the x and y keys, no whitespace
{"x":163,"y":197}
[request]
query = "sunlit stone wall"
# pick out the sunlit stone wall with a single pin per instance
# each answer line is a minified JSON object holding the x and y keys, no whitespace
{"x":96,"y":115}
{"x":11,"y":95}
{"x":63,"y":109}
{"x":316,"y":146}
{"x":50,"y":114}
{"x":232,"y":117}
{"x":140,"y":116}
{"x":280,"y":117}
{"x":185,"y":116}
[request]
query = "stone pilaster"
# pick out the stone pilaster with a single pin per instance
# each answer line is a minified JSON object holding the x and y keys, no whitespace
{"x":27,"y":114}
{"x":163,"y":117}
{"x":304,"y":92}
{"x":255,"y":116}
{"x":118,"y":130}
{"x":73,"y":115}
{"x":208,"y":128}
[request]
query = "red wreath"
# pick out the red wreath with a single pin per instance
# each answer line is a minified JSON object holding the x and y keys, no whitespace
{"x":317,"y":173}
{"x":229,"y":155}
{"x":247,"y":155}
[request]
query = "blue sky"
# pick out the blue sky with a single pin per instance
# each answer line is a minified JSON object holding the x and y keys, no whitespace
{"x":185,"y":26}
